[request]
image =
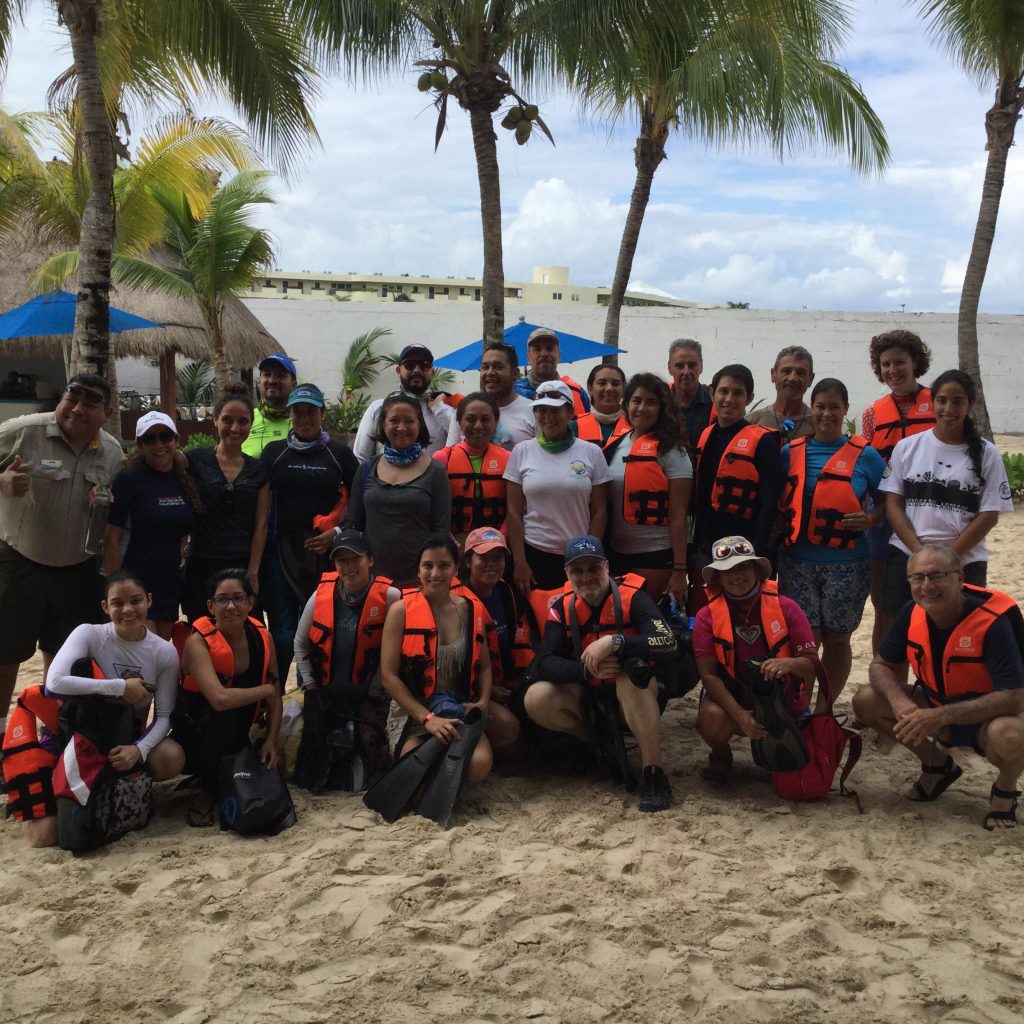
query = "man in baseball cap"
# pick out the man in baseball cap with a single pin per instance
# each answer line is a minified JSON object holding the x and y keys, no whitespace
{"x":270,"y":421}
{"x":415,"y":369}
{"x":600,"y":641}
{"x":542,"y":353}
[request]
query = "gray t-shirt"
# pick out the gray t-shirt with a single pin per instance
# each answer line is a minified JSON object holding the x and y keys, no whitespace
{"x":398,"y":518}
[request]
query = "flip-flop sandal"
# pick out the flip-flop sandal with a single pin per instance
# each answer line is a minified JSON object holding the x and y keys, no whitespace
{"x":950,"y":772}
{"x":200,"y":815}
{"x":1010,"y":814}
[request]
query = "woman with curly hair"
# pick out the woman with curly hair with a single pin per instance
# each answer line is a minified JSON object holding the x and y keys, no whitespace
{"x":651,"y":481}
{"x":945,"y":486}
{"x":155,"y":504}
{"x":899,"y":359}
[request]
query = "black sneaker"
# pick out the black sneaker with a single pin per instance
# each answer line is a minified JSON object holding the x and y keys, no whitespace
{"x":655,"y":792}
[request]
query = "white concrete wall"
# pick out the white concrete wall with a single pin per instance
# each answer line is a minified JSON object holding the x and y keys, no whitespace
{"x":316,"y":335}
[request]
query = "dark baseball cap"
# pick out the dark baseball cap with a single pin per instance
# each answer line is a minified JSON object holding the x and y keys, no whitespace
{"x":281,"y":359}
{"x":583,"y":547}
{"x":415,"y":350}
{"x":309,"y":394}
{"x":351,"y":540}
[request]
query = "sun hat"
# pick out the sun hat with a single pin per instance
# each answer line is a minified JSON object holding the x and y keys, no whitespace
{"x":306,"y":394}
{"x":154,"y":419}
{"x":552,"y":393}
{"x":484,"y":539}
{"x":583,"y":547}
{"x":732,"y":551}
{"x":281,"y":359}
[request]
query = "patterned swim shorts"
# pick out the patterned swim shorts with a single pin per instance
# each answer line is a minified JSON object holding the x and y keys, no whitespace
{"x":830,"y":594}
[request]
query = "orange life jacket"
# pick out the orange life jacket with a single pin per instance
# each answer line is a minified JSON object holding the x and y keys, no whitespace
{"x":222,"y":656}
{"x":833,"y":496}
{"x":419,"y":645}
{"x":773,"y":626}
{"x":588,"y":429}
{"x":27,"y":764}
{"x":735,"y":489}
{"x":478,"y":499}
{"x":963,"y":661}
{"x":366,"y":659}
{"x":525,"y":637}
{"x":891,"y":427}
{"x":645,"y":485}
{"x":579,"y":409}
{"x":583,"y":626}
{"x":333,"y":518}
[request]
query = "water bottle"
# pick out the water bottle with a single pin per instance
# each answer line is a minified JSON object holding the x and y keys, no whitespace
{"x":97,"y":520}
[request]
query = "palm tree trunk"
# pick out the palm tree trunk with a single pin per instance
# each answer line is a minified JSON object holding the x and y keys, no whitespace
{"x":647,"y":155}
{"x":91,"y":342}
{"x":218,"y":357}
{"x":493,"y":291}
{"x":1000,"y":125}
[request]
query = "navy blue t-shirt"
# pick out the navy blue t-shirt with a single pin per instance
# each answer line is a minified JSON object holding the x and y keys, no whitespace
{"x":151,"y":505}
{"x":1001,"y":654}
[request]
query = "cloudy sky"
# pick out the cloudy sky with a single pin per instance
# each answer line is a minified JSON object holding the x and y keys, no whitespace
{"x":721,"y":226}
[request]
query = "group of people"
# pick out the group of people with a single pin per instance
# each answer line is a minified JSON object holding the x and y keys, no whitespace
{"x":518,"y":549}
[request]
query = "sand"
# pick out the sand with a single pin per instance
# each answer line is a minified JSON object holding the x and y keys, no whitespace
{"x":551,"y":900}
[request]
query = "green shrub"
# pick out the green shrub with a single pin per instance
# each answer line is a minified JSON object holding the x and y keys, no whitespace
{"x":344,"y":416}
{"x":200,"y":440}
{"x":1015,"y":473}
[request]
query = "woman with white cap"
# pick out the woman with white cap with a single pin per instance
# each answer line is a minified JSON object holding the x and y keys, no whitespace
{"x":557,"y":490}
{"x":155,"y":503}
{"x":746,"y":618}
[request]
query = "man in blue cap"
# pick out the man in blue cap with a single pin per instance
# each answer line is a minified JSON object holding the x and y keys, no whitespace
{"x":270,"y":420}
{"x":595,"y":662}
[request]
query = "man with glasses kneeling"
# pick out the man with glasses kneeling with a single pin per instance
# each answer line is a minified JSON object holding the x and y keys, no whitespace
{"x":50,"y":466}
{"x":964,"y":646}
{"x":595,"y":659}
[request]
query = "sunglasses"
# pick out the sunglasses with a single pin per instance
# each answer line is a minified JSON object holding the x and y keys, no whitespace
{"x":161,"y":437}
{"x":77,"y":395}
{"x":417,"y":364}
{"x":741,"y":547}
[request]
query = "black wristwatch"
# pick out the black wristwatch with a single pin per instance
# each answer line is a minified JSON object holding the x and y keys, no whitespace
{"x":618,"y":640}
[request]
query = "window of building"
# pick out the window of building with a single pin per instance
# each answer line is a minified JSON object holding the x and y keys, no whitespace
{"x":476,"y":294}
{"x":430,"y":291}
{"x":557,"y":296}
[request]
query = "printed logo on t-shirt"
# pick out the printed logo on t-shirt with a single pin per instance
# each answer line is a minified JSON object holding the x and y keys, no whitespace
{"x":124,"y":671}
{"x":578,"y":468}
{"x":1004,"y":490}
{"x":170,"y":501}
{"x":749,"y":634}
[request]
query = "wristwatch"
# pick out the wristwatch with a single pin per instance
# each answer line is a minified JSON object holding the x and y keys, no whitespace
{"x":617,"y":641}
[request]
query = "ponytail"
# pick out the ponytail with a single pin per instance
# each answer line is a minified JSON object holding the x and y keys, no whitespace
{"x":975,"y":448}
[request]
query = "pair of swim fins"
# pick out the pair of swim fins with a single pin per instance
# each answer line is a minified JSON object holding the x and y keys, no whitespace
{"x":784,"y":748}
{"x":438,"y":767}
{"x":601,"y":717}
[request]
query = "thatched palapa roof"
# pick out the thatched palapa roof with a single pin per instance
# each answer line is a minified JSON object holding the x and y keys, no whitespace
{"x":246,"y":340}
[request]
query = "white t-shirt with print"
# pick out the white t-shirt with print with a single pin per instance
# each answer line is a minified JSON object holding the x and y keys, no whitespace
{"x":556,"y":486}
{"x":941,"y":491}
{"x":627,"y":538}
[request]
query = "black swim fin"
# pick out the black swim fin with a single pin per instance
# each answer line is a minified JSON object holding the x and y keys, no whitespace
{"x":438,"y":800}
{"x":784,"y":748}
{"x":390,"y":794}
{"x":600,"y":715}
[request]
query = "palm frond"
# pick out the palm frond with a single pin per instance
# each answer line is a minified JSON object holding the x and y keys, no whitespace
{"x":361,"y":365}
{"x":985,"y":37}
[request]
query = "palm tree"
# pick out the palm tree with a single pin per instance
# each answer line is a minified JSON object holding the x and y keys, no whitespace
{"x":470,"y":51}
{"x":254,"y":51}
{"x":728,"y":70}
{"x":986,"y":37}
{"x":361,"y":366}
{"x":216,"y":253}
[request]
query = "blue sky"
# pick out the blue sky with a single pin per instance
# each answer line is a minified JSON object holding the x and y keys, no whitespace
{"x":722,"y":225}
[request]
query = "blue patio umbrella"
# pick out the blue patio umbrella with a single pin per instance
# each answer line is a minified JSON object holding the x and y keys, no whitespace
{"x":571,"y":348}
{"x":54,"y":313}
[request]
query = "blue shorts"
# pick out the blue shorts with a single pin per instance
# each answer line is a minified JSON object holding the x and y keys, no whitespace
{"x":830,"y":594}
{"x":878,"y":541}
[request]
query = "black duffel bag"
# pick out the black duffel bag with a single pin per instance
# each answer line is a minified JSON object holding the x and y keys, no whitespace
{"x":252,"y":799}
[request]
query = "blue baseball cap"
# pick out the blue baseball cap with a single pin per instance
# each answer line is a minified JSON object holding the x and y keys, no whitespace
{"x":584,"y":547}
{"x":309,"y":394}
{"x":281,"y":359}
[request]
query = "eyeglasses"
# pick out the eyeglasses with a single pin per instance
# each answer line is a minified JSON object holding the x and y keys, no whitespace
{"x":740,"y":547}
{"x":223,"y":600}
{"x":78,"y":395}
{"x":915,"y":579}
{"x":417,"y":364}
{"x":153,"y":437}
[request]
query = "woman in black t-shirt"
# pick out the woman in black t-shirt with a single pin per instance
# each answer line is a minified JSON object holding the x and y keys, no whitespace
{"x":231,"y":530}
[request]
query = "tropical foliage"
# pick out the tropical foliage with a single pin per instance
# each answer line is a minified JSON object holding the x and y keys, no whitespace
{"x":195,"y":382}
{"x":986,"y":38}
{"x":724,"y":71}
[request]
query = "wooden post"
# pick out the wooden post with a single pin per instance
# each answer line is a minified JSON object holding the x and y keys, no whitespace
{"x":168,"y":385}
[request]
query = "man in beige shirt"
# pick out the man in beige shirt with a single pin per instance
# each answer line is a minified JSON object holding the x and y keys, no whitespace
{"x":50,"y":464}
{"x":792,"y":375}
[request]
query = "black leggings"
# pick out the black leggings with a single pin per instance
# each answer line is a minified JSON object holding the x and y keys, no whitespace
{"x":548,"y":569}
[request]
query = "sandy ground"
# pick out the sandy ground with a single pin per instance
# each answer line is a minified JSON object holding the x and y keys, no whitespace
{"x":551,"y":900}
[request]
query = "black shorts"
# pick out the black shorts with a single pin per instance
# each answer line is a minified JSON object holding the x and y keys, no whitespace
{"x":621,"y":564}
{"x":897,"y":589}
{"x":42,"y":604}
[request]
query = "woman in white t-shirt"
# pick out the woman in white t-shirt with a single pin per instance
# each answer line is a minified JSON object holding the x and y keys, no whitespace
{"x":946,"y":485}
{"x":651,"y":481}
{"x":557,"y":490}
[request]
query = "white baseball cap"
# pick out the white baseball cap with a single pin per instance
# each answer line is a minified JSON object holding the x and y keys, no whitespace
{"x":154,"y":419}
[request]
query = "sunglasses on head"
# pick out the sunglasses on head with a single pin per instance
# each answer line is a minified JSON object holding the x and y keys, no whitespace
{"x":741,"y":547}
{"x":76,"y":394}
{"x":416,"y":364}
{"x":158,"y":437}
